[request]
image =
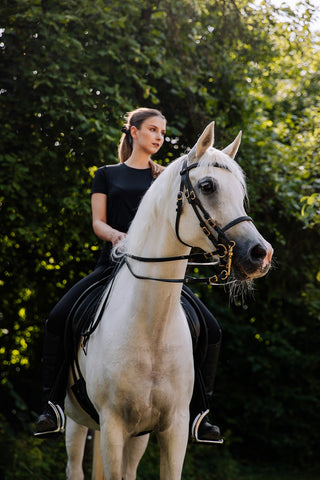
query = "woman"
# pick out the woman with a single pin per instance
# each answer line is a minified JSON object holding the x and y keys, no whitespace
{"x":115,"y":197}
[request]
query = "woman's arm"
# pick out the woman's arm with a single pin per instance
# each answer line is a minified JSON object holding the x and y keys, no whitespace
{"x":99,"y":220}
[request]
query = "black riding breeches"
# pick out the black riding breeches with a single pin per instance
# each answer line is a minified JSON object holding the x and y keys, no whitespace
{"x":58,"y":316}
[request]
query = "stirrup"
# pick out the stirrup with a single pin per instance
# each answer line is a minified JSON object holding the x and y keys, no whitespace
{"x":60,"y":419}
{"x":195,"y":429}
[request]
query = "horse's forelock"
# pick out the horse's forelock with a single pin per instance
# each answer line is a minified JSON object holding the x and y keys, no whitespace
{"x":214,"y":156}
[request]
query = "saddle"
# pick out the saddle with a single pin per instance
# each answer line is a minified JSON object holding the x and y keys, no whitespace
{"x":82,"y":323}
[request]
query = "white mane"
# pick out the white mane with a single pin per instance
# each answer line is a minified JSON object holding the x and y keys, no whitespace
{"x":162,"y":194}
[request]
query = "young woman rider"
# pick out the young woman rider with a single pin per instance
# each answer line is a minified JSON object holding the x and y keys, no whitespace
{"x":115,"y":197}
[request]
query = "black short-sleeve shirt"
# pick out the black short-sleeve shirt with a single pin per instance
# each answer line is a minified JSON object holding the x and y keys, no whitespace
{"x":124,"y":187}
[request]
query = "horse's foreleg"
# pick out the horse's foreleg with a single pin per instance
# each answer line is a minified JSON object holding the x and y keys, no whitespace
{"x":134,"y":449}
{"x":173,"y":443}
{"x":97,"y":467}
{"x":112,"y":443}
{"x":75,"y":442}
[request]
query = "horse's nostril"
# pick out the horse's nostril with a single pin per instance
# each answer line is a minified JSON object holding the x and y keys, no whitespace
{"x":258,"y":252}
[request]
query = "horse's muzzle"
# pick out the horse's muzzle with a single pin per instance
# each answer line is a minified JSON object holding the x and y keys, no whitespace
{"x":252,"y":260}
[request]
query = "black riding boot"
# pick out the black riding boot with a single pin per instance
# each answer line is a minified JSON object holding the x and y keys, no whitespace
{"x":52,"y":419}
{"x":202,"y":430}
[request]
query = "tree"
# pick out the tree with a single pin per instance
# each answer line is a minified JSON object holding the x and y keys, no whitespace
{"x":69,"y":71}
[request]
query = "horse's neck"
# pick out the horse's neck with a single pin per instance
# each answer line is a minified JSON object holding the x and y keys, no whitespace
{"x":160,"y":242}
{"x":155,"y":303}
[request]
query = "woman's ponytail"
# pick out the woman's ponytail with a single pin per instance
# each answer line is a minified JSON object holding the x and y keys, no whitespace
{"x":125,"y":145}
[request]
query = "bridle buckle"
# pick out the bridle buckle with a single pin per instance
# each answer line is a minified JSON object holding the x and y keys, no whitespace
{"x":206,"y":231}
{"x":180,"y":196}
{"x":211,"y":222}
{"x":190,"y":196}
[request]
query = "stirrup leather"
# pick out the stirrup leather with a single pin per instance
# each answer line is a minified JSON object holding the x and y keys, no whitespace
{"x":60,"y":418}
{"x":195,"y":429}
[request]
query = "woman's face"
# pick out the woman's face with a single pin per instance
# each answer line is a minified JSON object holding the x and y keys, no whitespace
{"x":150,"y":136}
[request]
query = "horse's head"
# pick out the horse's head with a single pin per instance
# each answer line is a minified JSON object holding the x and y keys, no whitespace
{"x":215,"y":188}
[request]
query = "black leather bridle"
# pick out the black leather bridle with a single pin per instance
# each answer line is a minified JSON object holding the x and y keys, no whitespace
{"x":223,"y":247}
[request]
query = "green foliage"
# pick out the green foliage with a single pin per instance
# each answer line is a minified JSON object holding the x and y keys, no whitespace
{"x":68,"y":73}
{"x":25,"y":457}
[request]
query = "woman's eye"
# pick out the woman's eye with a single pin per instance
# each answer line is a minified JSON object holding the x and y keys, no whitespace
{"x":207,"y":186}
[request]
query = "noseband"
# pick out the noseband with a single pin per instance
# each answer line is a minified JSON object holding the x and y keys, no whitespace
{"x":223,"y":247}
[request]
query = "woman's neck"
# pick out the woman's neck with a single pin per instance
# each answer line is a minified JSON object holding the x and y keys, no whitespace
{"x":138,"y":160}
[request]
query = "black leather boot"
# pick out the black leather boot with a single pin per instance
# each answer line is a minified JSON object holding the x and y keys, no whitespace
{"x":202,"y":431}
{"x":52,"y":420}
{"x":209,"y":367}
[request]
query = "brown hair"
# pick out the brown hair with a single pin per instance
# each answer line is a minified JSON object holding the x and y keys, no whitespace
{"x":135,"y":119}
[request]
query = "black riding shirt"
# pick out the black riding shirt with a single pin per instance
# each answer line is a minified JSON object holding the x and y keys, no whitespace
{"x":124,"y":187}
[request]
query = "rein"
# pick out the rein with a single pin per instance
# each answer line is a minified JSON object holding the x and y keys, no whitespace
{"x":223,"y":246}
{"x":187,"y":279}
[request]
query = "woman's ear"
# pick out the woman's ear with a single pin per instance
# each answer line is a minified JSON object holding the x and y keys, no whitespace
{"x":133,"y":131}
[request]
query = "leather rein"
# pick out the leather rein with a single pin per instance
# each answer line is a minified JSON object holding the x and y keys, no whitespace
{"x":223,"y":247}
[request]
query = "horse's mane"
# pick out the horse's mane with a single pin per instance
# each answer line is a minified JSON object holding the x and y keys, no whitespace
{"x":161,"y":195}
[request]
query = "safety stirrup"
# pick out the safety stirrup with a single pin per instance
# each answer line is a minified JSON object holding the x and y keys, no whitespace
{"x":195,"y":429}
{"x":60,"y":420}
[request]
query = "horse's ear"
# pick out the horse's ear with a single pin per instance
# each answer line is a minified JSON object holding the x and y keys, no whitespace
{"x":232,"y":149}
{"x":205,"y":141}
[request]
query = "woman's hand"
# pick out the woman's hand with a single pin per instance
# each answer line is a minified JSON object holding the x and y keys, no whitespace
{"x":116,"y":237}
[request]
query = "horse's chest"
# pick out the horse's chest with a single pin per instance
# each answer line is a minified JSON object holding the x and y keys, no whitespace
{"x":150,"y":404}
{"x":154,"y":372}
{"x":151,"y":387}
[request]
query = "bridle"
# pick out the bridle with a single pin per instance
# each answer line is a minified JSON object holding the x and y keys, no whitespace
{"x":223,"y":247}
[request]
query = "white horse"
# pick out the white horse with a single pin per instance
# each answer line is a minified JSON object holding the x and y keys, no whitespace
{"x":139,"y":364}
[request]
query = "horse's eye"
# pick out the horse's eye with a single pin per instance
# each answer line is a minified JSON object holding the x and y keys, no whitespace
{"x":207,"y":186}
